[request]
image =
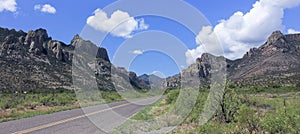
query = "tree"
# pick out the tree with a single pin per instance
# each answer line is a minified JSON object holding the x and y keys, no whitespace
{"x":229,"y":104}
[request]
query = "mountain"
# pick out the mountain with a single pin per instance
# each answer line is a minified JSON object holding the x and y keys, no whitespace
{"x":276,"y":61}
{"x":32,"y":60}
{"x":154,"y":81}
{"x":199,"y":73}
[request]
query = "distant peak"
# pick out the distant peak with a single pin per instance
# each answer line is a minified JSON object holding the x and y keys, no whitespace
{"x":146,"y":75}
{"x":275,"y":36}
{"x":75,"y":38}
{"x":204,"y":57}
{"x":41,"y":30}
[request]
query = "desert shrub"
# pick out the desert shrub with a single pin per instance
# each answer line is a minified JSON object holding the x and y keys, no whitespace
{"x":275,"y":85}
{"x":298,"y":85}
{"x":277,"y":123}
{"x":110,"y":96}
{"x":172,"y":96}
{"x":229,"y":105}
{"x":198,"y":108}
{"x":247,"y":119}
{"x":31,"y":105}
{"x":217,"y":128}
{"x":12,"y":101}
{"x":184,"y":102}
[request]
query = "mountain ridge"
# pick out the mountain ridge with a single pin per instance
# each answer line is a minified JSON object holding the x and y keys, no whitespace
{"x":34,"y":60}
{"x":276,"y":61}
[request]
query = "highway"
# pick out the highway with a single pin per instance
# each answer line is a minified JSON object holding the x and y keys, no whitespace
{"x":90,"y":120}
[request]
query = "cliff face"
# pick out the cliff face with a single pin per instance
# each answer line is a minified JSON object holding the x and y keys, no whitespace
{"x":200,"y":73}
{"x":276,"y":61}
{"x":34,"y":61}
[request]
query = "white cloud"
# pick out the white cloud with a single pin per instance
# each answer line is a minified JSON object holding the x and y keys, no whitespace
{"x":293,"y":31}
{"x":9,"y":5}
{"x":120,"y":23}
{"x":242,"y":31}
{"x":142,"y":25}
{"x":137,"y":52}
{"x":46,"y":8}
{"x":158,"y":73}
{"x":37,"y":7}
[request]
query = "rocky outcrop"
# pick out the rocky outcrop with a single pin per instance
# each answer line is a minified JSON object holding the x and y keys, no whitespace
{"x":173,"y":82}
{"x":37,"y":41}
{"x":200,"y":73}
{"x":33,"y":60}
{"x":153,"y":81}
{"x":276,"y":61}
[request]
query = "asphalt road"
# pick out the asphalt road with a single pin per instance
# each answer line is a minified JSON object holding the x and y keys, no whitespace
{"x":95,"y":119}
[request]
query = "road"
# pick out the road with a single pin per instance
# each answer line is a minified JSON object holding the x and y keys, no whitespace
{"x":79,"y":121}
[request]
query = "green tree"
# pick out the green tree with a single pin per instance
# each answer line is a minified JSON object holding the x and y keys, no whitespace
{"x":229,"y":104}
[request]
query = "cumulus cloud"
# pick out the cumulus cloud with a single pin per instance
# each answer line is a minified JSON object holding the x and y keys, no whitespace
{"x":242,"y":31}
{"x":120,"y":23}
{"x":46,"y":8}
{"x":293,"y":31}
{"x":8,"y":5}
{"x":137,"y":52}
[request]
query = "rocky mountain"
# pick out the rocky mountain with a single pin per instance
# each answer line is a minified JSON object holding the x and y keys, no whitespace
{"x":276,"y":61}
{"x":33,"y":60}
{"x":154,"y":81}
{"x":199,"y":73}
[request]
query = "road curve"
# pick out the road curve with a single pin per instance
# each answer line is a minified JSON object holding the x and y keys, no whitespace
{"x":79,"y":121}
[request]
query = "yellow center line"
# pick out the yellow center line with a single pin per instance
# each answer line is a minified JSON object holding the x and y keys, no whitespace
{"x":68,"y":120}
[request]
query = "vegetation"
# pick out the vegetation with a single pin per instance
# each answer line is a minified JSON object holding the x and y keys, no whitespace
{"x":20,"y":104}
{"x":272,"y":109}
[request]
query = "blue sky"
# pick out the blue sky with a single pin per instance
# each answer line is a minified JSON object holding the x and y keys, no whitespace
{"x":64,"y":19}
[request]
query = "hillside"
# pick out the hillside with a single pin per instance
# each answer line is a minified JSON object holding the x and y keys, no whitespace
{"x":275,"y":62}
{"x":33,"y":60}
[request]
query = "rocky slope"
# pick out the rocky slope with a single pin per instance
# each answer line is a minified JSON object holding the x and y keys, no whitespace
{"x":276,"y":61}
{"x":200,"y":73}
{"x":153,"y":81}
{"x":32,"y":60}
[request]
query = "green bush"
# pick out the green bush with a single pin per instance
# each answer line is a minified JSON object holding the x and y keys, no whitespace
{"x":218,"y":128}
{"x":229,"y":105}
{"x":277,"y":123}
{"x":110,"y":96}
{"x":198,"y":108}
{"x":247,"y":119}
{"x":298,"y":85}
{"x":172,"y":96}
